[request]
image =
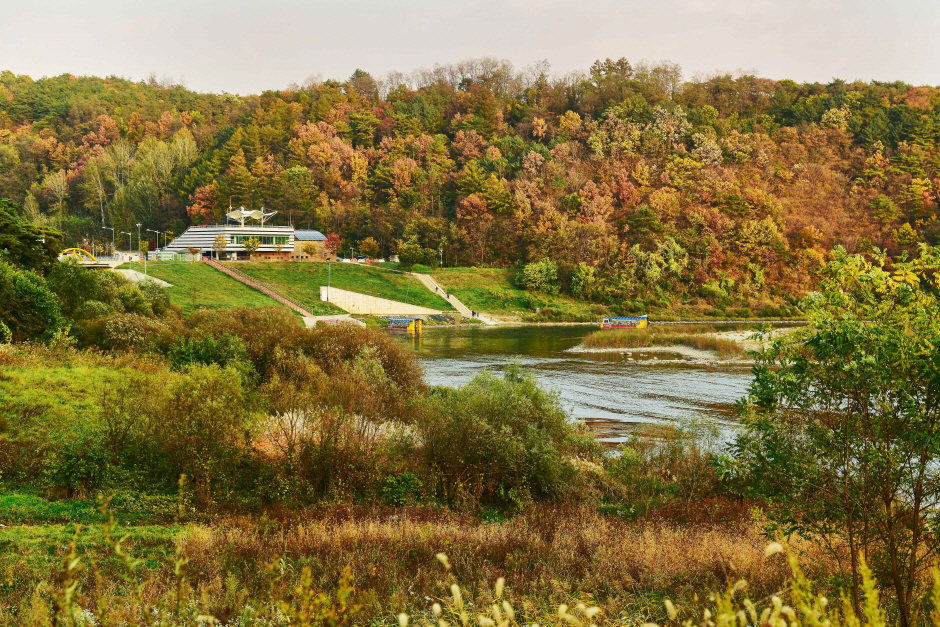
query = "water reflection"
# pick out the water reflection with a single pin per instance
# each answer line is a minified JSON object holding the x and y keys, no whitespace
{"x":604,"y":389}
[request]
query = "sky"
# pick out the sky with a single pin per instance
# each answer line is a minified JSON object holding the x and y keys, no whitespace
{"x":246,"y":47}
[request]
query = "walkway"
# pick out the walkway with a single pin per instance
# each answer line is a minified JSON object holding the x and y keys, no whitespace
{"x":264,"y":288}
{"x":134,"y":276}
{"x":465,"y":311}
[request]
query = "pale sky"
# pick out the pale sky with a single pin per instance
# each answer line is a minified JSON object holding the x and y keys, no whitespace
{"x":242,"y":46}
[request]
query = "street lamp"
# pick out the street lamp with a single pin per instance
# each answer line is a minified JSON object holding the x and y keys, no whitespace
{"x":140,"y":248}
{"x":130,"y":244}
{"x":158,"y":236}
{"x":112,"y":238}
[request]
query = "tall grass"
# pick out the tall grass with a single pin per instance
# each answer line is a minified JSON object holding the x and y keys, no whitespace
{"x":383,"y":562}
{"x":693,"y":336}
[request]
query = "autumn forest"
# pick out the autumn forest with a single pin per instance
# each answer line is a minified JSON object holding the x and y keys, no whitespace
{"x":644,"y":188}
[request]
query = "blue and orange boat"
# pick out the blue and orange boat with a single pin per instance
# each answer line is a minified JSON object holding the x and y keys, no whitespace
{"x":625,"y":322}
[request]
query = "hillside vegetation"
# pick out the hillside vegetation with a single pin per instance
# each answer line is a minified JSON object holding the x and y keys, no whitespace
{"x":646,"y":190}
{"x":196,"y":285}
{"x":302,"y":282}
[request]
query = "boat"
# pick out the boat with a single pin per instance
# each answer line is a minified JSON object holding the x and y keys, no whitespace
{"x":408,"y":325}
{"x":625,"y":322}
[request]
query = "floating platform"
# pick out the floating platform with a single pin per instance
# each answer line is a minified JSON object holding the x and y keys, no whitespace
{"x":406,"y":325}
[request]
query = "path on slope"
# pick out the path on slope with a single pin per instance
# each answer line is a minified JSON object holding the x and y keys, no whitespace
{"x":465,"y":311}
{"x":261,"y":287}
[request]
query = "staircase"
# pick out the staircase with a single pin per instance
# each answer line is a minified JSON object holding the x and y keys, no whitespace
{"x":465,"y":311}
{"x":265,"y":288}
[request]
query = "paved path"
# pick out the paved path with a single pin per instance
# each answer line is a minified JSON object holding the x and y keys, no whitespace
{"x":135,"y":276}
{"x":312,"y":321}
{"x":261,"y":287}
{"x":465,"y":311}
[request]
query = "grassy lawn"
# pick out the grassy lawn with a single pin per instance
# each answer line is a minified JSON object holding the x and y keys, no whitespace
{"x":199,"y":285}
{"x":302,"y":281}
{"x":492,"y":290}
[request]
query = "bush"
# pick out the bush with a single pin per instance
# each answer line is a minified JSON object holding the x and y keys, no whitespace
{"x":225,"y":351}
{"x":28,"y":308}
{"x":541,"y":276}
{"x":498,"y":440}
{"x":126,"y":332}
{"x":205,"y":427}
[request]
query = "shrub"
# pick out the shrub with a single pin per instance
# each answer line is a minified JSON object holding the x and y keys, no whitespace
{"x":541,"y":276}
{"x":155,"y":295}
{"x":224,"y":351}
{"x":497,"y":440}
{"x":126,"y":332}
{"x":73,"y":285}
{"x":206,"y":426}
{"x":133,"y":301}
{"x":28,"y":308}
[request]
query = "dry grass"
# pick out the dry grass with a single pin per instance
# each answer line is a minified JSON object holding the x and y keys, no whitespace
{"x":694,"y":336}
{"x":546,"y":557}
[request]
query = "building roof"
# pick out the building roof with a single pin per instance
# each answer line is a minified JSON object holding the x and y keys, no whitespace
{"x":309,"y":236}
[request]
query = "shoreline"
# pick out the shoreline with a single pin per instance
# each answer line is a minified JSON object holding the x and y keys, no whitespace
{"x":519,"y":323}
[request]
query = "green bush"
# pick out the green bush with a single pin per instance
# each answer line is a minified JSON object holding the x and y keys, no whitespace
{"x":498,"y":440}
{"x":541,"y":276}
{"x":224,"y":351}
{"x":28,"y":308}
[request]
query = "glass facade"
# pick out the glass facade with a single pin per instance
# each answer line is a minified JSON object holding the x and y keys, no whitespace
{"x":266,"y":240}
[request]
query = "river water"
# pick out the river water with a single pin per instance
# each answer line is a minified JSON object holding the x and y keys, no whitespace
{"x":605,"y":390}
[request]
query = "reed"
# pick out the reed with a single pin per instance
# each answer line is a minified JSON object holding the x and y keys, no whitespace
{"x":693,"y":336}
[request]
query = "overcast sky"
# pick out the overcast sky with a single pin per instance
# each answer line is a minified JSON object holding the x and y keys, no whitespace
{"x":245,"y":47}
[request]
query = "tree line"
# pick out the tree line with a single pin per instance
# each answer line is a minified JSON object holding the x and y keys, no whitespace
{"x":644,"y":188}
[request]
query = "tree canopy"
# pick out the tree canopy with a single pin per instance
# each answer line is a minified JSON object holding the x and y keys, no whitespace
{"x":728,"y":191}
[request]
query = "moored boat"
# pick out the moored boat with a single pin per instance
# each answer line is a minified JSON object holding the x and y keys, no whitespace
{"x":625,"y":322}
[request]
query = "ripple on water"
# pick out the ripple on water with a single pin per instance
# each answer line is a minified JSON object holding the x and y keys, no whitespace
{"x":604,"y":389}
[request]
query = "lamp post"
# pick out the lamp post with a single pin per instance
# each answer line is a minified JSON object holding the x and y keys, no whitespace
{"x":158,"y":236}
{"x":130,"y":243}
{"x":112,"y":238}
{"x":140,"y":248}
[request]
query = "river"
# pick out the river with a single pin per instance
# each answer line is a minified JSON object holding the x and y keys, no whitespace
{"x":605,"y":390}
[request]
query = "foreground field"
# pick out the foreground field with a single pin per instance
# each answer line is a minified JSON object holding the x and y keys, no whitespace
{"x":302,"y":282}
{"x":196,"y":285}
{"x":548,"y":557}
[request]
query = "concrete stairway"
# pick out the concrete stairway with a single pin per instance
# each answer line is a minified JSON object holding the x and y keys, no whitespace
{"x":465,"y":311}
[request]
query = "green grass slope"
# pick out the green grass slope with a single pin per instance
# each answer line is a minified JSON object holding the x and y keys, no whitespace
{"x":199,"y":285}
{"x":302,"y":281}
{"x":493,"y":291}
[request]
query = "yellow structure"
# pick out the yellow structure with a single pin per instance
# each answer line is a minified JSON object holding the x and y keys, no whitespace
{"x":410,"y":325}
{"x":79,"y":254}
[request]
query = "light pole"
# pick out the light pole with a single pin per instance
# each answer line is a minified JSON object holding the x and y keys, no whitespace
{"x":158,"y":236}
{"x":130,"y":243}
{"x":140,"y":248}
{"x":112,"y":238}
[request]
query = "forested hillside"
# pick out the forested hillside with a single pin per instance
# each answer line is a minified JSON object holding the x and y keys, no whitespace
{"x":642,"y":188}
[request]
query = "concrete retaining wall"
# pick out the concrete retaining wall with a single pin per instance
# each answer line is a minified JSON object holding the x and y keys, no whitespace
{"x":371,"y":305}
